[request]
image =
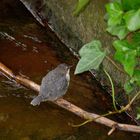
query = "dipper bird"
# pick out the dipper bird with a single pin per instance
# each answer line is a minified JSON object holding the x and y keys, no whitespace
{"x":54,"y":85}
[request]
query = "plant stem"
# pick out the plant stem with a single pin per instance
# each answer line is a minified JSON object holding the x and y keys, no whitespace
{"x":131,"y":101}
{"x":110,"y":113}
{"x":113,"y":90}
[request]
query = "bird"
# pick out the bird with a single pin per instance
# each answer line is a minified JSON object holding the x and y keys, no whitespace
{"x":54,"y":85}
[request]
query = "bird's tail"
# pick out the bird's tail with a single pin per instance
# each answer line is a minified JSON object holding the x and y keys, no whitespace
{"x":36,"y":101}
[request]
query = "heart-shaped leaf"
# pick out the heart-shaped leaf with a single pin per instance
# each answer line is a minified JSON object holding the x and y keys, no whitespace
{"x":132,"y":19}
{"x":119,"y":30}
{"x":91,"y":57}
{"x":125,"y":55}
{"x":115,"y":12}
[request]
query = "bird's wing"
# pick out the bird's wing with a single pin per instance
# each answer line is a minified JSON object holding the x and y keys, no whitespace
{"x":54,"y":88}
{"x":47,"y":81}
{"x":60,"y":88}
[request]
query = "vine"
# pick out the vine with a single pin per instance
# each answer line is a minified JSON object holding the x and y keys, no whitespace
{"x":113,"y":90}
{"x":123,"y":21}
{"x":123,"y":109}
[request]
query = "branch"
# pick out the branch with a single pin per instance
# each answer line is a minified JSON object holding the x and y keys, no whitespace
{"x":69,"y":106}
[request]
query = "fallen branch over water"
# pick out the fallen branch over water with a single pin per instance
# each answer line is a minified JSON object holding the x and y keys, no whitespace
{"x":69,"y":106}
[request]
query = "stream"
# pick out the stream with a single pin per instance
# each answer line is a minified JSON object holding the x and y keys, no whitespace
{"x":32,"y":51}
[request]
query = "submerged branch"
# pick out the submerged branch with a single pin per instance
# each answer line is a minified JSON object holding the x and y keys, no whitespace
{"x":69,"y":106}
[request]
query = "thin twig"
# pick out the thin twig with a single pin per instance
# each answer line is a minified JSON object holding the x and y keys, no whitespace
{"x":113,"y":129}
{"x":69,"y":106}
{"x":121,"y":70}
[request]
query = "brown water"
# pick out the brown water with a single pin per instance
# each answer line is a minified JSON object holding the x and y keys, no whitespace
{"x":29,"y":49}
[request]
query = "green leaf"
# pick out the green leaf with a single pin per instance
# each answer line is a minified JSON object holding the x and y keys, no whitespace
{"x":136,"y":77}
{"x":91,"y":57}
{"x":135,"y":80}
{"x":115,"y":13}
{"x":95,"y":44}
{"x":138,"y":113}
{"x":119,"y":30}
{"x":122,"y":45}
{"x":128,"y":87}
{"x":136,"y":39}
{"x":125,"y":55}
{"x":136,"y":42}
{"x":80,"y":6}
{"x":130,"y":4}
{"x":132,"y":19}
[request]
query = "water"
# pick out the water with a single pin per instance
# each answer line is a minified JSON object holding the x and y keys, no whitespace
{"x":28,"y":49}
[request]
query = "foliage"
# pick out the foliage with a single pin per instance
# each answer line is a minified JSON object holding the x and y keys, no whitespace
{"x":130,"y":4}
{"x":123,"y":21}
{"x":120,"y":30}
{"x":125,"y":55}
{"x":138,"y":113}
{"x":81,"y":5}
{"x":132,"y":19}
{"x":91,"y":57}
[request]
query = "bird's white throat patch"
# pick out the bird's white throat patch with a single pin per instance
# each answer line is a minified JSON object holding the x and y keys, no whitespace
{"x":68,"y":75}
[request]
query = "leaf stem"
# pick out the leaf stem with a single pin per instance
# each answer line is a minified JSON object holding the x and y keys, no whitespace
{"x":113,"y":90}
